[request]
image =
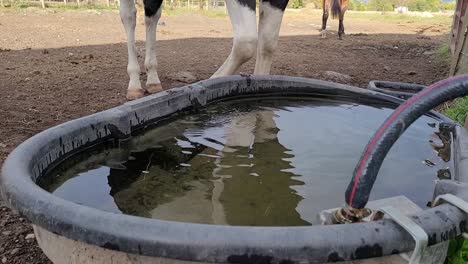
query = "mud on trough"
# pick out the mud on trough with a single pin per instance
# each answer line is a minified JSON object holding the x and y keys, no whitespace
{"x":58,"y":65}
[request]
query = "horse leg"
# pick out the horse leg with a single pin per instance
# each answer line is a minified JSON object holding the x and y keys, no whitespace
{"x":244,"y":23}
{"x":152,"y":15}
{"x":128,"y":17}
{"x":341,"y":27}
{"x":271,"y":15}
{"x":325,"y":18}
{"x":344,"y":7}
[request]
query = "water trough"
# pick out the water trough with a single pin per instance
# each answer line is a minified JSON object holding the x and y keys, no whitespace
{"x":72,"y":233}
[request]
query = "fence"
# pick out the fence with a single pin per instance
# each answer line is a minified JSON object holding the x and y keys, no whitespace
{"x":195,"y":4}
{"x":46,"y":3}
{"x":459,"y":39}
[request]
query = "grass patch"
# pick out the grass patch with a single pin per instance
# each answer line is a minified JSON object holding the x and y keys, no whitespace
{"x":458,"y":251}
{"x":20,"y":5}
{"x":59,"y":6}
{"x":443,"y":52}
{"x":457,"y":110}
{"x":83,"y":7}
{"x":401,"y":18}
{"x":168,"y":11}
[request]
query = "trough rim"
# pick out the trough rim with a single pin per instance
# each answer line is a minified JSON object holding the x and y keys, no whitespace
{"x":202,"y":242}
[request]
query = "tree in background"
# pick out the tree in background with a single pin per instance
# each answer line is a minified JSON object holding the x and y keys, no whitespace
{"x":424,"y":5}
{"x":317,"y":3}
{"x":400,"y":2}
{"x":357,"y":5}
{"x":448,"y":5}
{"x":381,"y":5}
{"x":296,"y":4}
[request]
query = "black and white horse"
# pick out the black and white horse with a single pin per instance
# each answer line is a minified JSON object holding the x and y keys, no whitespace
{"x":247,"y":41}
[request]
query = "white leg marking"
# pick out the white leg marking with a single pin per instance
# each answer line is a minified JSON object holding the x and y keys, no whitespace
{"x":268,"y":32}
{"x":128,"y":16}
{"x":323,"y":33}
{"x":153,"y":84}
{"x":244,"y":25}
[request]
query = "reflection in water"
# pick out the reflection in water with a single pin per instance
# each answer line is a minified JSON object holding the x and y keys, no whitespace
{"x":155,"y":176}
{"x":93,"y":177}
{"x":256,"y":163}
{"x":256,"y":187}
{"x":442,"y":142}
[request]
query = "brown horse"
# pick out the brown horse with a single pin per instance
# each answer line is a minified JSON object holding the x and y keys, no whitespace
{"x":338,"y":9}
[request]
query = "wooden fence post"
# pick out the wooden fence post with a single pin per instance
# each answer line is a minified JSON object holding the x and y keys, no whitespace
{"x":43,"y":3}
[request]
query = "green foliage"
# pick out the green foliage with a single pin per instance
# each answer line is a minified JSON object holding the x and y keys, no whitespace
{"x":444,"y":53}
{"x":296,"y":4}
{"x":58,"y":5}
{"x":413,"y":5}
{"x":357,"y":5}
{"x":168,"y":11}
{"x":424,"y":5}
{"x":380,"y":5}
{"x":22,"y":4}
{"x":458,"y":112}
{"x":458,"y":251}
{"x":317,"y":3}
{"x":448,"y":6}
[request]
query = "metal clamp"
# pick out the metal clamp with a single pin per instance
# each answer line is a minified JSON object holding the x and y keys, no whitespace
{"x":455,"y":201}
{"x":419,"y":235}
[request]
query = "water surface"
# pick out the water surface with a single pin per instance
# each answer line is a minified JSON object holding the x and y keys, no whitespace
{"x":268,"y":163}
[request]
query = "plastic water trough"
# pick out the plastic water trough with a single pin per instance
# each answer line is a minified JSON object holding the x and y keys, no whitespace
{"x":72,"y":233}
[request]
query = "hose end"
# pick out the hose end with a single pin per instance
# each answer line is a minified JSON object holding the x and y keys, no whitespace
{"x":347,"y":215}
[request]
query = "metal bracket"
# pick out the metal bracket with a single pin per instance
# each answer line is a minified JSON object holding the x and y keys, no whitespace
{"x":419,"y":235}
{"x":455,"y":201}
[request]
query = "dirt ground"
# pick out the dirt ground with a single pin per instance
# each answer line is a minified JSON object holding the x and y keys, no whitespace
{"x":58,"y":65}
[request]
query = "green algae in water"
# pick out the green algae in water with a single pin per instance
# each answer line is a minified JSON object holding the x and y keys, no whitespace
{"x":254,"y":163}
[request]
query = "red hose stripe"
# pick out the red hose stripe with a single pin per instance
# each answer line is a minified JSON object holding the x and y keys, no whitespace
{"x":387,"y":123}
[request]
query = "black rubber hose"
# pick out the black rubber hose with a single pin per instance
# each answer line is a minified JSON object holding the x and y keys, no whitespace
{"x":365,"y":173}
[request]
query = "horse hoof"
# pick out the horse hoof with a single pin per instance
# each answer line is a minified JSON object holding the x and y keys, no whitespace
{"x":323,"y":34}
{"x":135,"y":93}
{"x":154,"y":88}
